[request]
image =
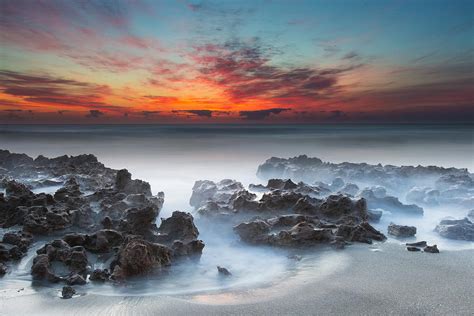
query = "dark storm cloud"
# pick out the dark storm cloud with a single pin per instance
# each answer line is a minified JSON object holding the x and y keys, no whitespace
{"x":261,"y":114}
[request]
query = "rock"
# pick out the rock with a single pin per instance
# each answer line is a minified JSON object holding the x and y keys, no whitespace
{"x":124,"y":183}
{"x":374,"y":215}
{"x":431,"y":249}
{"x":223,"y":271}
{"x":462,"y":229}
{"x":281,"y":184}
{"x":411,"y":248}
{"x":416,"y":244}
{"x":191,"y":248}
{"x":138,"y":257}
{"x":14,"y":188}
{"x":180,"y":226}
{"x":99,"y":275}
{"x":40,"y":270}
{"x":253,"y":232}
{"x":75,"y":279}
{"x":68,"y":292}
{"x":362,"y":232}
{"x":350,"y":188}
{"x":3,"y":269}
{"x":401,"y":230}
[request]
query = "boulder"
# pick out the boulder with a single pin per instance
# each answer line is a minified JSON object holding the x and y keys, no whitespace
{"x":138,"y":257}
{"x":401,"y":230}
{"x":68,"y":292}
{"x":460,"y":229}
{"x":431,"y":249}
{"x":180,"y":226}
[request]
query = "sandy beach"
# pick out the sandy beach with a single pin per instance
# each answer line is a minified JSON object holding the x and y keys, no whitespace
{"x":382,"y":279}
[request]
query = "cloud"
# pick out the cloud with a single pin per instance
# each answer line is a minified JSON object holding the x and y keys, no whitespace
{"x":261,"y":114}
{"x":148,"y":114}
{"x":95,"y":114}
{"x":202,"y":113}
{"x":244,"y":70}
{"x":46,"y":89}
{"x":350,"y":55}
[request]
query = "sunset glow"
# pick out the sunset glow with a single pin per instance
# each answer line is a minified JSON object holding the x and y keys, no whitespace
{"x":235,"y":61}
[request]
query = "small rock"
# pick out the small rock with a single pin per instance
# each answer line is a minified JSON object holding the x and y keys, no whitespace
{"x":431,"y":249}
{"x":68,"y":292}
{"x":223,"y":271}
{"x":295,"y":257}
{"x":3,"y":269}
{"x":75,"y":279}
{"x":417,"y":244}
{"x":401,"y":230}
{"x":99,"y":275}
{"x":410,"y":248}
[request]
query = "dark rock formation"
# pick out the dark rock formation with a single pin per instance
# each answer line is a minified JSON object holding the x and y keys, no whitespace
{"x":401,"y":230}
{"x":416,"y":244}
{"x":431,"y":249}
{"x":460,"y":229}
{"x":138,"y":256}
{"x":68,"y":292}
{"x":97,"y":210}
{"x":412,"y":248}
{"x":223,"y":271}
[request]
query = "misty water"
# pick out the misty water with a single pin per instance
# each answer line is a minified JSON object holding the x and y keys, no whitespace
{"x":171,"y":158}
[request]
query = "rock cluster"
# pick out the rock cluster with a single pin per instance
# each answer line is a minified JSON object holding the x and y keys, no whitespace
{"x":422,"y":185}
{"x":289,"y":214}
{"x":96,"y":210}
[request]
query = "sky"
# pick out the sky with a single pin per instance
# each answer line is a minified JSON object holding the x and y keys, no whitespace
{"x":268,"y":61}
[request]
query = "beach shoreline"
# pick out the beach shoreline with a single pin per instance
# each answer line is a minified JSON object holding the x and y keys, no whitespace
{"x":372,"y":280}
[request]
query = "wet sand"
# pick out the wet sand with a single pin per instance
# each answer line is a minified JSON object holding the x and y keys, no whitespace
{"x":382,"y":279}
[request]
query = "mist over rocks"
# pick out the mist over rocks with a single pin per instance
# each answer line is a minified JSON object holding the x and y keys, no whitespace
{"x":423,"y":185}
{"x":288,"y":214}
{"x":97,"y":216}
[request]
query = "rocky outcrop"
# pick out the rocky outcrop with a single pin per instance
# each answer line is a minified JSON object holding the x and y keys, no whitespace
{"x":401,"y":230}
{"x":97,"y":210}
{"x":460,"y":229}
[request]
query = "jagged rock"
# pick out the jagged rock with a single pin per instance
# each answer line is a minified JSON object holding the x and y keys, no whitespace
{"x":461,"y":229}
{"x":99,"y":275}
{"x":180,"y":226}
{"x":138,"y":256}
{"x":21,"y":239}
{"x":223,"y":271}
{"x":124,"y":183}
{"x":431,"y":249}
{"x":68,"y":292}
{"x":140,"y":221}
{"x":281,"y":184}
{"x":14,"y":188}
{"x":253,"y":232}
{"x":208,"y":191}
{"x":191,"y":248}
{"x":362,"y":232}
{"x":76,"y":279}
{"x":401,"y":230}
{"x":416,"y":244}
{"x":303,"y":233}
{"x":339,"y":205}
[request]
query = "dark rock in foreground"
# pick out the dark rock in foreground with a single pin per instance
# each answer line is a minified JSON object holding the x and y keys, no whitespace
{"x":68,"y":292}
{"x":97,"y":210}
{"x":431,"y":249}
{"x":223,"y":271}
